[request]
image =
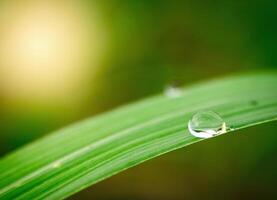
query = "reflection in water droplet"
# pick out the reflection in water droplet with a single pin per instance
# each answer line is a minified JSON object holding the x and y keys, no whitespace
{"x":206,"y":124}
{"x":172,"y":91}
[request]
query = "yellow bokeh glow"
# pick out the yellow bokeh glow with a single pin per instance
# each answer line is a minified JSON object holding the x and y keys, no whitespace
{"x":44,"y":49}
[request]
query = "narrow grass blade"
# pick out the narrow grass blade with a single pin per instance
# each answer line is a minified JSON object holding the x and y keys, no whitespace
{"x":87,"y":152}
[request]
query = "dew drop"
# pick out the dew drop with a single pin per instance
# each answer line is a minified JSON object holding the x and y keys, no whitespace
{"x":206,"y":124}
{"x":172,"y":91}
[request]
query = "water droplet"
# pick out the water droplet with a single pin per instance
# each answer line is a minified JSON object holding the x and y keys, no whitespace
{"x":206,"y":124}
{"x":172,"y":91}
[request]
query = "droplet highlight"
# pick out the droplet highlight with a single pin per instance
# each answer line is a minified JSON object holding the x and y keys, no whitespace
{"x":172,"y":91}
{"x":206,"y":124}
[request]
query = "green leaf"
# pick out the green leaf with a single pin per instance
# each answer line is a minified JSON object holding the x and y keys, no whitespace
{"x":85,"y":153}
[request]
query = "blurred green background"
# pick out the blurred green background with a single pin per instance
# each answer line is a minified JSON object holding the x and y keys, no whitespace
{"x":62,"y":61}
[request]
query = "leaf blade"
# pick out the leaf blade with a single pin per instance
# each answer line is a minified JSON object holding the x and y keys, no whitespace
{"x":83,"y":154}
